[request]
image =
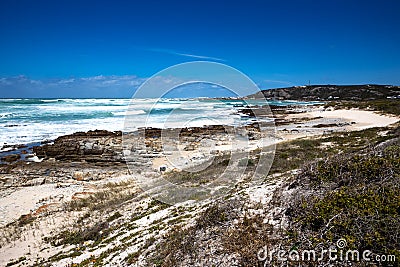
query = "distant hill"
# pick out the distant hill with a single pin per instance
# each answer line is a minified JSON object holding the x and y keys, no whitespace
{"x":331,"y":92}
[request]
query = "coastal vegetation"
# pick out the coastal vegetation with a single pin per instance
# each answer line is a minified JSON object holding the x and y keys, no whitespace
{"x":355,"y":196}
{"x":349,"y":190}
{"x":320,"y":189}
{"x":327,"y":92}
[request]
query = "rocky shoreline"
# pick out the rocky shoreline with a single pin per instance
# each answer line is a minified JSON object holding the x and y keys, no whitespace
{"x":96,"y":150}
{"x":81,"y":181}
{"x":77,"y":155}
{"x":91,"y":146}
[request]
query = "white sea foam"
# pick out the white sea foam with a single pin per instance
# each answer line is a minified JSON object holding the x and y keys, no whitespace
{"x":33,"y":120}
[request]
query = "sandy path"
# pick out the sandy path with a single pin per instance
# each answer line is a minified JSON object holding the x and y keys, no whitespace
{"x":27,"y":199}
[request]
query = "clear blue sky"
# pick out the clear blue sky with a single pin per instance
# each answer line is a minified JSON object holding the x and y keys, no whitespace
{"x":67,"y":48}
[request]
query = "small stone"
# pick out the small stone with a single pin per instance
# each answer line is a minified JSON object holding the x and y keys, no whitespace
{"x":35,"y":182}
{"x":78,"y":176}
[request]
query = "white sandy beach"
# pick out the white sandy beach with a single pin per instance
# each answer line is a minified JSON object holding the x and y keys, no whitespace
{"x":342,"y":120}
{"x":25,"y":200}
{"x":362,"y":119}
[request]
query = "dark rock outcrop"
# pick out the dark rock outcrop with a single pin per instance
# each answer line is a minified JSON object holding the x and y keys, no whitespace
{"x":11,"y":158}
{"x":91,"y":146}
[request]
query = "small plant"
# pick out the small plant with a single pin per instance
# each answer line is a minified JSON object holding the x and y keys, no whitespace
{"x":246,"y":238}
{"x":116,"y":215}
{"x":14,"y":262}
{"x":213,"y":215}
{"x":94,"y":233}
{"x":25,"y":219}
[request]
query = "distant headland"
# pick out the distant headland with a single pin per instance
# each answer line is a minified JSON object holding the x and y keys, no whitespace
{"x":331,"y":92}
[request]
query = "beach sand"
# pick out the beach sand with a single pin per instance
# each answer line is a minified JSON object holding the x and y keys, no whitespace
{"x":318,"y":121}
{"x":24,"y":200}
{"x":362,"y":119}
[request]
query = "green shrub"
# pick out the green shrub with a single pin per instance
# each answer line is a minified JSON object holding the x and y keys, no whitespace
{"x":356,"y":197}
{"x":94,"y":233}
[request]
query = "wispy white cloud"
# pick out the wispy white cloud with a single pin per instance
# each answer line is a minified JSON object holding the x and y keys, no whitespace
{"x":101,"y":86}
{"x":277,"y":81}
{"x":178,"y":53}
{"x":66,"y":81}
{"x":91,"y":87}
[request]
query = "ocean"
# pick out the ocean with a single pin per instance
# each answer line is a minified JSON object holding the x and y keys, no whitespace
{"x":24,"y":121}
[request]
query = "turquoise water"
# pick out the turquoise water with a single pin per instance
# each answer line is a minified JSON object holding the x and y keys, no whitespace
{"x":32,"y":120}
